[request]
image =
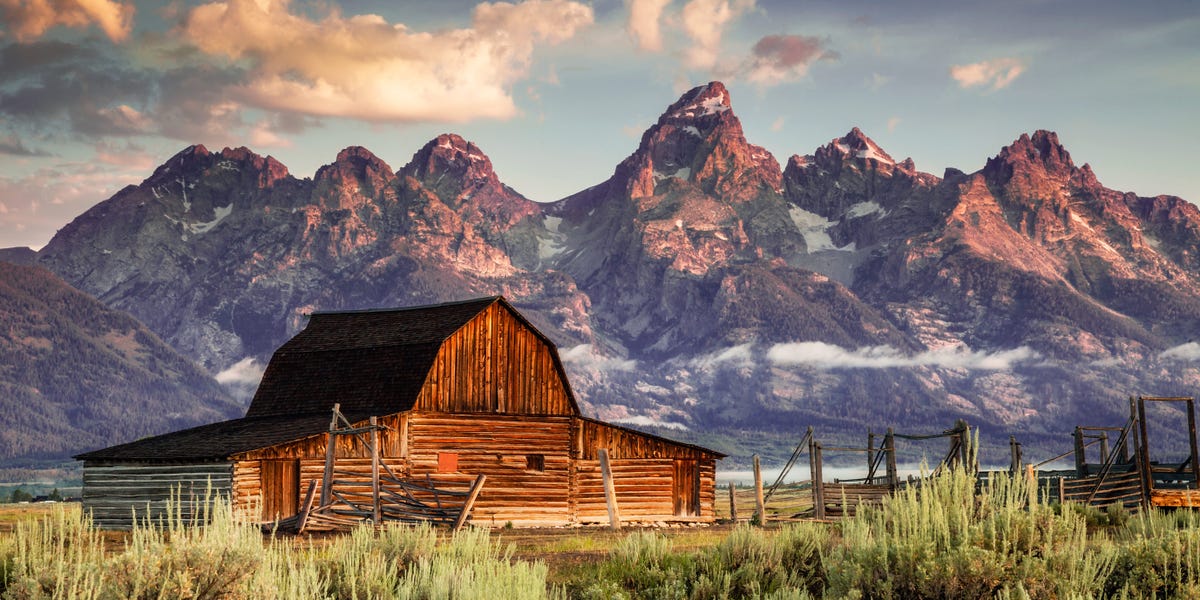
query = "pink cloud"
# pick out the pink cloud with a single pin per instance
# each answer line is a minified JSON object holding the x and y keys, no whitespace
{"x":365,"y":68}
{"x":28,"y":20}
{"x":644,"y":23}
{"x":997,"y":73}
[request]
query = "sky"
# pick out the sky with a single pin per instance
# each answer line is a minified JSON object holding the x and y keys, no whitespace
{"x":95,"y":93}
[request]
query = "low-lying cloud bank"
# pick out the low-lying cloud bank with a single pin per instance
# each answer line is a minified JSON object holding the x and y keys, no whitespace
{"x":584,"y":356}
{"x":828,"y":356}
{"x":1184,"y":352}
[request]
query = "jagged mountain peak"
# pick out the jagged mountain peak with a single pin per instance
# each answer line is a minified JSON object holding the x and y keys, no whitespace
{"x":194,"y":160}
{"x":699,"y":102}
{"x":1040,"y":152}
{"x":359,"y":157}
{"x":698,"y":139}
{"x":450,"y":154}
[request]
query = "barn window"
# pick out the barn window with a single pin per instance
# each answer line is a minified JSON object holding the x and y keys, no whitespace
{"x":535,"y":462}
{"x":447,"y":462}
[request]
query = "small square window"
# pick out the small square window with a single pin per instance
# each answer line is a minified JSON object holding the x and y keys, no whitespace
{"x":535,"y":462}
{"x":447,"y":462}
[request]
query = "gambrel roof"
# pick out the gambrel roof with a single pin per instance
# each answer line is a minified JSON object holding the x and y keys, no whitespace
{"x":371,"y":362}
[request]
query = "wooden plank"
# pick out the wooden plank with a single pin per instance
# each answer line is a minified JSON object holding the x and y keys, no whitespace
{"x":470,"y":503}
{"x":610,"y":492}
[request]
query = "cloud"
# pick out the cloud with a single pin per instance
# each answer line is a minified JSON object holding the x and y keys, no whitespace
{"x":241,"y":379}
{"x":40,"y":201}
{"x":997,"y":73}
{"x":827,"y":356}
{"x":892,"y":123}
{"x":647,"y":421}
{"x":736,"y":356}
{"x":247,"y":370}
{"x":644,"y":23}
{"x":128,"y":156}
{"x":1188,"y":352}
{"x":27,"y":20}
{"x":704,"y":23}
{"x":365,"y":68}
{"x":777,"y":124}
{"x":585,"y":356}
{"x":14,"y":146}
{"x":265,"y":135}
{"x":777,"y":59}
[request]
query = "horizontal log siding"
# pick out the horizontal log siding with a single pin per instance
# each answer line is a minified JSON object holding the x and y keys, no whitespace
{"x":497,"y":446}
{"x":495,"y":364}
{"x":113,"y":493}
{"x":390,"y":443}
{"x":248,"y":483}
{"x":626,"y":443}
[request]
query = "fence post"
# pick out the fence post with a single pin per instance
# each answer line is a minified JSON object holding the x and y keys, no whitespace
{"x":1080,"y":458}
{"x":376,"y":513}
{"x":889,"y":442}
{"x":819,"y":483}
{"x":610,"y":491}
{"x":870,"y":457}
{"x":732,"y":503}
{"x":330,"y":455}
{"x":760,"y":504}
{"x":1014,"y":449}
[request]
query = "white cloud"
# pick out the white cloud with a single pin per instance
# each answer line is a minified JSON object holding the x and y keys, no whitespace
{"x":737,"y":356}
{"x":242,"y":378}
{"x":645,"y":421}
{"x":704,"y":23}
{"x":644,"y":24}
{"x":263,"y":135}
{"x":247,"y":370}
{"x":892,"y":122}
{"x":827,"y":356}
{"x":585,"y":356}
{"x":777,"y":59}
{"x":777,"y":124}
{"x":1184,"y":352}
{"x":28,"y":20}
{"x":365,"y":68}
{"x":997,"y":73}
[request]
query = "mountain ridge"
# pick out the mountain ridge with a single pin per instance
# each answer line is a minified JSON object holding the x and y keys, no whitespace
{"x":702,"y":284}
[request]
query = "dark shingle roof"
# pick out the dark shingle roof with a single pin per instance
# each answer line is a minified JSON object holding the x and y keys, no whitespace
{"x":215,"y":441}
{"x":368,"y":361}
{"x":371,"y":362}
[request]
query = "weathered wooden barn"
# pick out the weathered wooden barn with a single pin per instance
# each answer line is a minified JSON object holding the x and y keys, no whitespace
{"x":463,"y":389}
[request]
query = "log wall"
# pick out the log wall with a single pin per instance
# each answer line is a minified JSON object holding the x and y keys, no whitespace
{"x":114,"y":493}
{"x":495,"y":364}
{"x":500,"y":446}
{"x":645,"y":488}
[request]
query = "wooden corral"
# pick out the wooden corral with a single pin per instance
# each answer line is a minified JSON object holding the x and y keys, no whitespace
{"x":1125,"y":473}
{"x":455,"y":391}
{"x":843,"y":497}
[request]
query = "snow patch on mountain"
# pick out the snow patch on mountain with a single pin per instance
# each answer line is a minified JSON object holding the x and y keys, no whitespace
{"x":863,"y":209}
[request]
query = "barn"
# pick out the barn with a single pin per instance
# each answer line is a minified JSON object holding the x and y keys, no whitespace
{"x":458,"y":389}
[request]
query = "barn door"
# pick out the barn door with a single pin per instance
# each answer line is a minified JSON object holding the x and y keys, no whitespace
{"x":687,"y":488}
{"x":280,"y":488}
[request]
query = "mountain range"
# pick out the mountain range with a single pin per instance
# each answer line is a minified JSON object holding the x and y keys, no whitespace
{"x":703,"y":288}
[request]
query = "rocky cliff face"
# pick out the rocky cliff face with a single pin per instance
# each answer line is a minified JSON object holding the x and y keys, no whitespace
{"x":224,"y":253}
{"x":701,"y":285}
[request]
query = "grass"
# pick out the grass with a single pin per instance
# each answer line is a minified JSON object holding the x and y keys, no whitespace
{"x":945,"y":539}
